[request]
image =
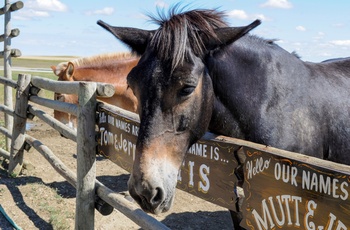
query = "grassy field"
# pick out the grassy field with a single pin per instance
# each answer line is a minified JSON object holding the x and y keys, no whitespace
{"x":35,"y":62}
{"x":39,"y":61}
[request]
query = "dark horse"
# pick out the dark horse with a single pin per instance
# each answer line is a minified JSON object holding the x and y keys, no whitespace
{"x":197,"y":73}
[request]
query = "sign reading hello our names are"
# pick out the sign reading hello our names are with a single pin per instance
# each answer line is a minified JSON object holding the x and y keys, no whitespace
{"x":281,"y":193}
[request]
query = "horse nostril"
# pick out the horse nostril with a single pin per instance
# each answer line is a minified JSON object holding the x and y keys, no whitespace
{"x":158,"y":197}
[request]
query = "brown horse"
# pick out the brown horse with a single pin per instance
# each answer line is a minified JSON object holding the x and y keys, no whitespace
{"x":106,"y":68}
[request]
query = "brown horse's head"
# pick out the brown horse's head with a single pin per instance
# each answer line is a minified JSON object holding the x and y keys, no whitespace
{"x":107,"y":68}
{"x":64,"y":72}
{"x":175,"y":94}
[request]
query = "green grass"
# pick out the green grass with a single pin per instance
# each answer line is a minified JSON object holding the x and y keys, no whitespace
{"x":32,"y":62}
{"x":58,"y":218}
{"x":40,"y":62}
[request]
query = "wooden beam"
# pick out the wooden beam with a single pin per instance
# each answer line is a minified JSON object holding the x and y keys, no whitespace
{"x":14,"y":6}
{"x":86,"y":157}
{"x":60,"y":127}
{"x":13,"y":53}
{"x":14,"y":33}
{"x":102,"y":89}
{"x":19,"y":125}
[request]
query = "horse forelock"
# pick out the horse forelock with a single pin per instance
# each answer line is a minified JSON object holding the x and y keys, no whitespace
{"x":178,"y":30}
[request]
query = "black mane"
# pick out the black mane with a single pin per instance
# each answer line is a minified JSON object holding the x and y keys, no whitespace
{"x":179,"y":29}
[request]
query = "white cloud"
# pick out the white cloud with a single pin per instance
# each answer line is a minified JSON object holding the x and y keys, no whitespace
{"x":104,"y":11}
{"x":259,"y":16}
{"x":35,"y":9}
{"x":239,"y":14}
{"x":338,"y":25}
{"x":46,"y":5}
{"x":300,"y":28}
{"x":320,"y":35}
{"x":242,"y":15}
{"x":340,"y":42}
{"x":283,"y":4}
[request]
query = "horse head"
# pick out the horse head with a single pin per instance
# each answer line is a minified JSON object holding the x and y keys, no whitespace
{"x":64,"y":71}
{"x":175,"y":96}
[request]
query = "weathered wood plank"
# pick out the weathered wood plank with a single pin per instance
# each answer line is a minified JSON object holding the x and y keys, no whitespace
{"x":102,"y":89}
{"x":13,"y":7}
{"x":57,"y":105}
{"x":86,"y":157}
{"x":61,"y":128}
{"x":19,"y":125}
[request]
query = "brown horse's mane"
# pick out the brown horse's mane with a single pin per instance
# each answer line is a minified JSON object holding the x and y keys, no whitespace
{"x":102,"y":59}
{"x":176,"y":30}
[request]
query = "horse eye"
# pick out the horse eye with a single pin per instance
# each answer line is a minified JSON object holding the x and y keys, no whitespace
{"x":187,"y":90}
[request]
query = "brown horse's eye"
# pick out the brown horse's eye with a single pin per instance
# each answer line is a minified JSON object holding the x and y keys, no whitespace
{"x":187,"y":90}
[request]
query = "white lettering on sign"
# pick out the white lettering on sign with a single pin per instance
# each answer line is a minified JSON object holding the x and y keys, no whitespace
{"x":286,"y":173}
{"x":270,"y":220}
{"x":324,"y":184}
{"x":118,"y":142}
{"x":205,"y":151}
{"x":204,"y":183}
{"x":123,"y":125}
{"x":191,"y":174}
{"x":256,"y":167}
{"x":276,"y":212}
{"x":102,"y":118}
{"x":203,"y":172}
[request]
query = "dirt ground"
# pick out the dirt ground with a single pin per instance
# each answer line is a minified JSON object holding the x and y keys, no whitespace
{"x":41,"y":199}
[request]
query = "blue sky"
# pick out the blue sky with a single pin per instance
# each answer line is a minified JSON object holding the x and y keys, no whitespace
{"x":315,"y":29}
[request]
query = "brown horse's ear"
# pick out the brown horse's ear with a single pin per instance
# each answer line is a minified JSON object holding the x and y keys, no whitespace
{"x":69,"y":70}
{"x":53,"y":68}
{"x":136,"y":39}
{"x":227,"y":35}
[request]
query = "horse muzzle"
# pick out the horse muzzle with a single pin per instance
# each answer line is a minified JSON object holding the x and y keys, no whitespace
{"x":152,"y":197}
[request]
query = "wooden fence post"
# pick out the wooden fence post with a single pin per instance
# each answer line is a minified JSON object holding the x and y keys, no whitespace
{"x":7,"y":68}
{"x":19,"y":124}
{"x":86,"y":157}
{"x":7,"y":53}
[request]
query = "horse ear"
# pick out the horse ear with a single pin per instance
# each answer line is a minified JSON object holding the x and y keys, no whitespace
{"x":227,"y":35}
{"x":69,"y":70}
{"x":53,"y":69}
{"x":136,"y":39}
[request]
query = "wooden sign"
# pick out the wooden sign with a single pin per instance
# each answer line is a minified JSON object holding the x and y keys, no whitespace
{"x":207,"y":172}
{"x":289,"y":193}
{"x":278,"y":189}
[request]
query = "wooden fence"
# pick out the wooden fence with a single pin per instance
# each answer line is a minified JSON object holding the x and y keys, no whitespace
{"x":7,"y":53}
{"x":27,"y":92}
{"x":17,"y":141}
{"x":269,"y":187}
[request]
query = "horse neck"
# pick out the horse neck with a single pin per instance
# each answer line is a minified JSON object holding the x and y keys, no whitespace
{"x":240,"y":77}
